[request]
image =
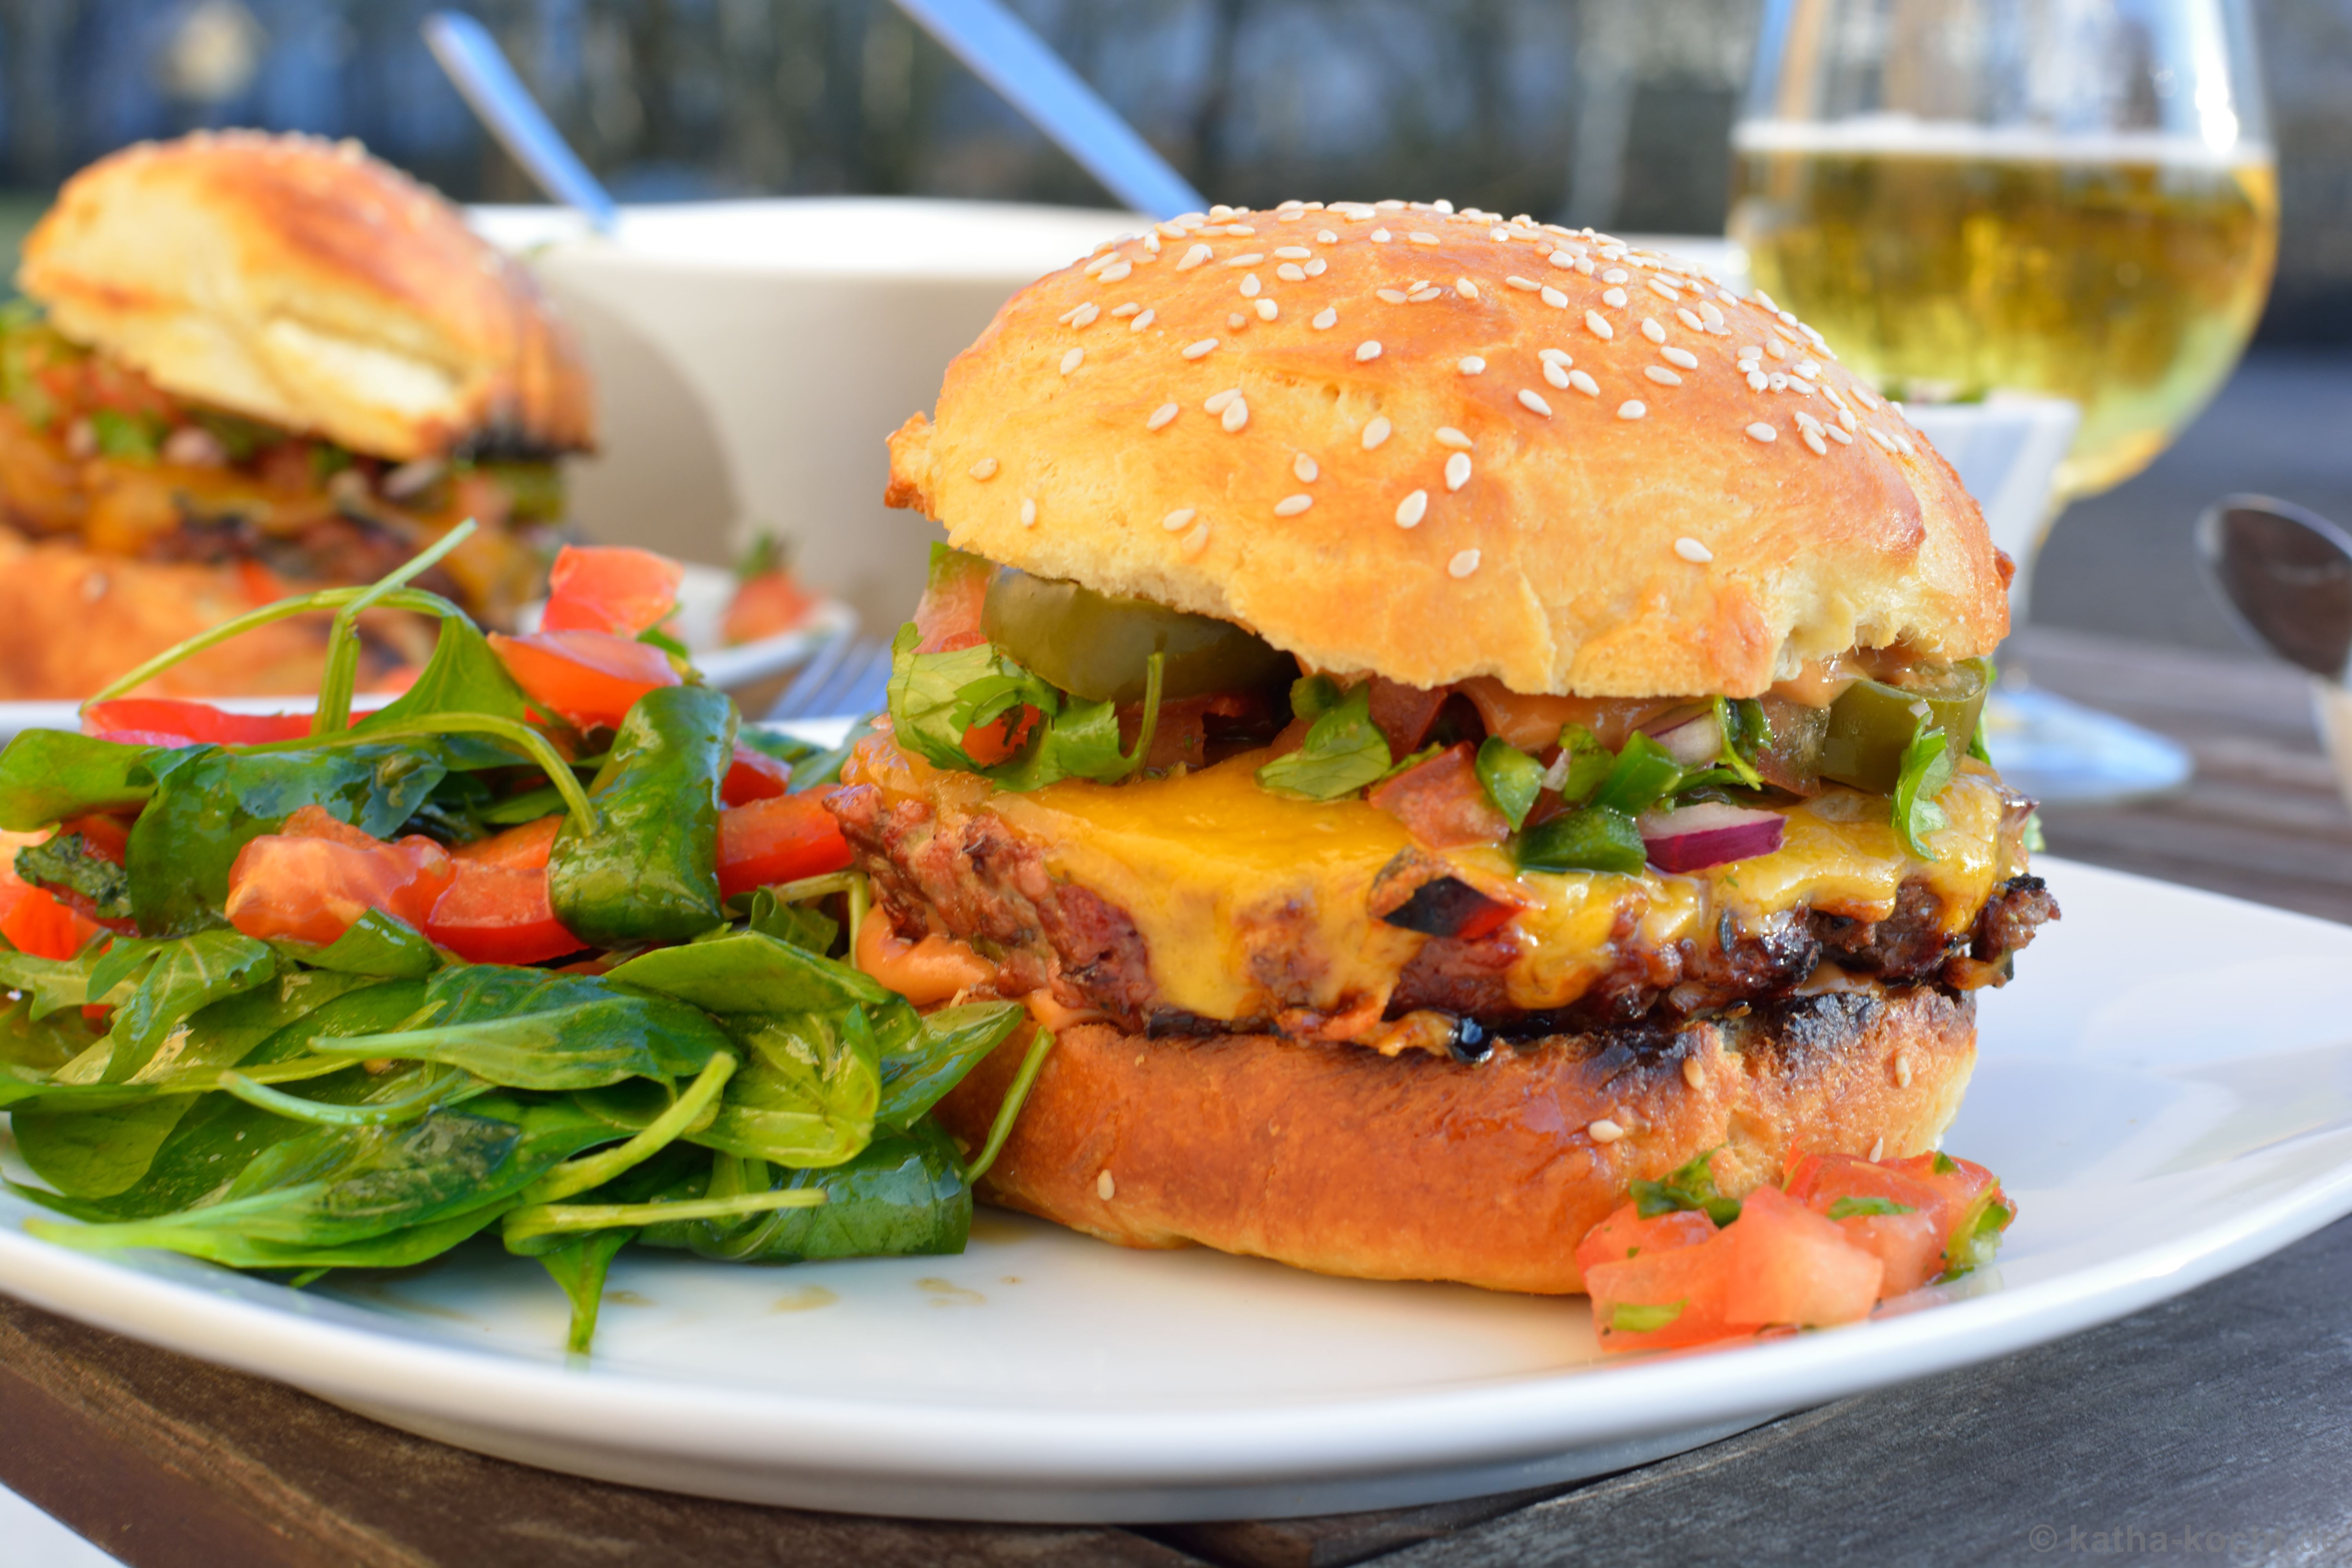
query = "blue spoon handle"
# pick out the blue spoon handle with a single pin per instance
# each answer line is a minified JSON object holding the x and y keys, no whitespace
{"x":998,"y":47}
{"x":478,"y":69}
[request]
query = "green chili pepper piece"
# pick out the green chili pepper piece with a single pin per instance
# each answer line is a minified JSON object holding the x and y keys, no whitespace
{"x":1874,"y":723}
{"x":648,"y":872}
{"x":1589,"y":838}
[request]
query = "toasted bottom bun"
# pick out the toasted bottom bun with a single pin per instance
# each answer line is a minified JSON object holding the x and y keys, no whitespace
{"x":71,"y":621}
{"x":1337,"y":1158}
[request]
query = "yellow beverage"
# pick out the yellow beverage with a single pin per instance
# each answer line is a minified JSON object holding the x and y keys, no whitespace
{"x":2124,"y":272}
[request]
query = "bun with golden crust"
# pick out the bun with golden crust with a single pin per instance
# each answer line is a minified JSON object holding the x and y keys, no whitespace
{"x":304,"y":283}
{"x":1337,"y":1158}
{"x":1438,"y":445}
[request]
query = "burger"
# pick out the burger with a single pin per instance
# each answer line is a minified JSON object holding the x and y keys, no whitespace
{"x":1445,"y":717}
{"x":247,"y":365}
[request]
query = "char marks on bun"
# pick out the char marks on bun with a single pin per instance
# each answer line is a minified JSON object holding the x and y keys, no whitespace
{"x":303,"y":283}
{"x":1436,"y":445}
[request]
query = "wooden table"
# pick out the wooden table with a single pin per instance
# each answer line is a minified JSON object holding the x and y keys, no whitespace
{"x":2215,"y":1427}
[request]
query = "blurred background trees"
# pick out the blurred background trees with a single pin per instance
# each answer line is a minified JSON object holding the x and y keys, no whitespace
{"x":1612,"y":112}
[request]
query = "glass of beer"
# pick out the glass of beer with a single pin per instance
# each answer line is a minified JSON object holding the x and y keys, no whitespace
{"x":2069,"y":197}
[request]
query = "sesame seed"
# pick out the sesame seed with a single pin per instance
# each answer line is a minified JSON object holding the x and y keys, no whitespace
{"x":1105,"y":1186}
{"x":1584,"y":265}
{"x":1304,"y":467}
{"x":1763,"y":432}
{"x":1236,"y":416}
{"x":1869,"y":399}
{"x":1533,"y":403}
{"x":1292,"y":252}
{"x":1220,"y":211}
{"x":1692,"y":551}
{"x":1555,"y":356}
{"x":1800,"y":383}
{"x":1758,"y":381}
{"x":1028,"y":512}
{"x":1712,"y":313}
{"x":1161,"y":415}
{"x":1141,"y":321}
{"x":1178,"y":521}
{"x":1555,"y":374}
{"x":1195,"y":541}
{"x":1291,"y":272}
{"x":1447,"y":435}
{"x":1369,"y":349}
{"x":1172,"y":230}
{"x":1808,"y":368}
{"x":1616,"y":275}
{"x":1250,"y":286}
{"x":1789,"y":317}
{"x":1555,"y":298}
{"x":1464,"y":562}
{"x":1689,"y":318}
{"x":1457,"y":470}
{"x":1748,"y":355}
{"x":1813,"y":439}
{"x":1631,"y":408}
{"x":1082,"y":316}
{"x":1267,"y":309}
{"x":1325,"y":236}
{"x":1765,"y":300}
{"x":1663,"y":290}
{"x":1806,"y":421}
{"x":1599,"y":327}
{"x":1680,"y":357}
{"x":1877,"y":1147}
{"x":1119,"y":273}
{"x":1904,"y":442}
{"x":1377,"y":431}
{"x":1662,"y":375}
{"x":985,"y":469}
{"x":1129,"y":309}
{"x":1840,"y":436}
{"x":1845,"y":417}
{"x":1651,"y":331}
{"x":1526,"y":285}
{"x":1583,"y":383}
{"x":1694,"y":1074}
{"x":1291,"y":506}
{"x":1500,"y":234}
{"x":1216,"y":402}
{"x":1193,"y":257}
{"x":1381,"y":236}
{"x":1152,"y":243}
{"x":1389,"y":296}
{"x":1471,"y":364}
{"x":1465,"y":288}
{"x":1315,"y":268}
{"x":1563,"y":259}
{"x":1613,"y":298}
{"x":1727,"y":296}
{"x":1875,"y":433}
{"x":1419,"y":237}
{"x":1102,"y":258}
{"x":1194,"y":351}
{"x":1776,"y":348}
{"x":1325,"y":319}
{"x":1072,"y":360}
{"x":1424,"y":296}
{"x":1413,"y":508}
{"x":1903,"y":1071}
{"x":1235,"y":319}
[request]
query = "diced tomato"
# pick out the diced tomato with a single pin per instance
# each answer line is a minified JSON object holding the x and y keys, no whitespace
{"x":524,"y":848}
{"x":178,"y":722}
{"x":590,"y":677}
{"x":1441,"y":802}
{"x":1625,"y":1234}
{"x":609,"y":588}
{"x":1967,"y":1190}
{"x":766,"y":605}
{"x":1404,"y":713}
{"x":989,"y":745}
{"x":1911,"y":1243}
{"x":754,"y":775}
{"x":1790,"y":1264}
{"x":1662,"y":1299}
{"x":948,"y":617}
{"x":777,"y":840}
{"x":495,"y":913}
{"x":925,"y":972}
{"x":32,"y":918}
{"x":309,"y":883}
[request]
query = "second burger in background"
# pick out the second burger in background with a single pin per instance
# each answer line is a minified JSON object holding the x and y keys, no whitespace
{"x":251,"y":364}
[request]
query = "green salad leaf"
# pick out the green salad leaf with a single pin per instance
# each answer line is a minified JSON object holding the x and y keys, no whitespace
{"x":903,"y":1196}
{"x":48,"y":776}
{"x":375,"y":945}
{"x":935,"y":698}
{"x":71,"y":862}
{"x":1343,"y":751}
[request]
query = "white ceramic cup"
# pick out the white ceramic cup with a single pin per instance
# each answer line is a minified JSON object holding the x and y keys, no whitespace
{"x":752,"y":357}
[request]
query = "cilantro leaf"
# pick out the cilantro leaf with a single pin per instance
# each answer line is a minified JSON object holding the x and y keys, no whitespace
{"x":1690,"y":1187}
{"x":1861,"y":1208}
{"x":926,"y":693}
{"x":1512,"y":778}
{"x":1582,"y":766}
{"x":935,"y":697}
{"x":1926,"y":769}
{"x":1344,"y":750}
{"x":1634,"y":1318}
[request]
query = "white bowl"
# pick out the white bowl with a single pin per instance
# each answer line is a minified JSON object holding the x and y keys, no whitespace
{"x":752,"y":357}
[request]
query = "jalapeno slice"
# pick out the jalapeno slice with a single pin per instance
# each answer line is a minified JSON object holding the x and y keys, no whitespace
{"x":1873,"y":722}
{"x":1096,"y":645}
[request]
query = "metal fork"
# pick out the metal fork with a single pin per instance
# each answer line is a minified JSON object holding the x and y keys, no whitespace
{"x":848,"y":675}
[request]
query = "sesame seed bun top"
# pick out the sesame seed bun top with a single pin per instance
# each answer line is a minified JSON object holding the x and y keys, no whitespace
{"x":1437,"y":445}
{"x":302,"y":282}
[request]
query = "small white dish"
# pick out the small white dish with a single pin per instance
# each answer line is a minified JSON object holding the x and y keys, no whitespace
{"x":2160,"y":1120}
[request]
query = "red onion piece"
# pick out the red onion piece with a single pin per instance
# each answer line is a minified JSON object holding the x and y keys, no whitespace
{"x":1693,"y":838}
{"x":1694,"y":743}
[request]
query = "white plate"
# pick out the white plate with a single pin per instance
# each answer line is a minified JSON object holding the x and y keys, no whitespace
{"x":2167,"y":1092}
{"x":702,"y":599}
